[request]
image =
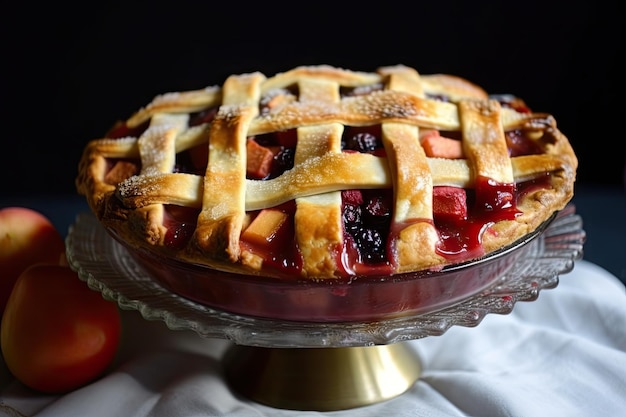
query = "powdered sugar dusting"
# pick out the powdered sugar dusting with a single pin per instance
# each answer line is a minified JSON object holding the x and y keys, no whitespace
{"x":385,"y":104}
{"x":138,"y":185}
{"x":230,"y":113}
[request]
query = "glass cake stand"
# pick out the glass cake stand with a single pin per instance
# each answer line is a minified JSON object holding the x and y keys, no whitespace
{"x":321,"y":366}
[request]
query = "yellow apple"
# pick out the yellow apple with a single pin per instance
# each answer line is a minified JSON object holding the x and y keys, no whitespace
{"x":27,"y":237}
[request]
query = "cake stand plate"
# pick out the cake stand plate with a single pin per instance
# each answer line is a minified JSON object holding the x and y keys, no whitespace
{"x":311,"y":365}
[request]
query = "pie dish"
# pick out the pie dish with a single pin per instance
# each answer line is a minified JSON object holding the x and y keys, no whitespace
{"x":365,"y":312}
{"x":326,"y":174}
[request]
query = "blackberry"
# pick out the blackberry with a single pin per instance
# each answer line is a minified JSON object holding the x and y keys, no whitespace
{"x":377,"y":210}
{"x":283,"y":161}
{"x":371,"y":245}
{"x":351,"y":217}
{"x":361,"y":142}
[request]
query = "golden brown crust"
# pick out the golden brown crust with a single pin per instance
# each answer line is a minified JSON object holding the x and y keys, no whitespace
{"x":129,"y":181}
{"x":319,"y":234}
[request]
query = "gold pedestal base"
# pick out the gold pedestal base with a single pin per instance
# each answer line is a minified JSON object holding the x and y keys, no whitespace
{"x":321,"y":379}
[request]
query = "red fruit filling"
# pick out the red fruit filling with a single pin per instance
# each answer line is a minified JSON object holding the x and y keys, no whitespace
{"x":277,"y":248}
{"x":270,"y":155}
{"x":460,"y":215}
{"x":180,"y":223}
{"x":119,"y":169}
{"x":204,"y":116}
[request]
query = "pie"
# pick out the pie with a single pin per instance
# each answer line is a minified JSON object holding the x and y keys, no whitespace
{"x":321,"y":173}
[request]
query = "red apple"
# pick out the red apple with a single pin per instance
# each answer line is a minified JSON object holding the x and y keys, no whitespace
{"x":57,"y":334}
{"x":26,"y":237}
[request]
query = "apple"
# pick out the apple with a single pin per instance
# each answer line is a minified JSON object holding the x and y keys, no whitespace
{"x":26,"y":237}
{"x":57,"y":334}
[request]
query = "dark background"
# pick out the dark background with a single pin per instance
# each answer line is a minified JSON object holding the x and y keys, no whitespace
{"x":69,"y":72}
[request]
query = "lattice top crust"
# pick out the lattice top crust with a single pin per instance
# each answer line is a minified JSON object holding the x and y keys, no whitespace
{"x":326,"y":173}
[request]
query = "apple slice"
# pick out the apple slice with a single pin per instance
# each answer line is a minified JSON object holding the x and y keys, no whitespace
{"x":449,"y":203}
{"x":120,"y":171}
{"x":258,"y":160}
{"x":436,"y":146}
{"x":265,"y":227}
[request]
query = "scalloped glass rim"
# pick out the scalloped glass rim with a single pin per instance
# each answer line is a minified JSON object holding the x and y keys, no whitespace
{"x":107,"y":267}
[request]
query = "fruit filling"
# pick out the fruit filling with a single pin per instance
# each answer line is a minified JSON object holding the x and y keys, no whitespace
{"x":270,"y":235}
{"x":366,"y":222}
{"x":180,"y":223}
{"x":271,"y":154}
{"x":460,"y":215}
{"x":119,"y":169}
{"x":202,"y":117}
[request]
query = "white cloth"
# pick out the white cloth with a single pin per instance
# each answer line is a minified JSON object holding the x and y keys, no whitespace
{"x":561,"y":355}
